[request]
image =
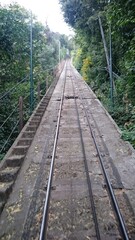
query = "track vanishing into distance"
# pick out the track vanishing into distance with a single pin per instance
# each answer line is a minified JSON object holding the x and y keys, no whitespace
{"x":76,"y":181}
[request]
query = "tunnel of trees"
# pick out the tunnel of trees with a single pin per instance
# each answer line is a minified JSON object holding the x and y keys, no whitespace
{"x":90,"y":52}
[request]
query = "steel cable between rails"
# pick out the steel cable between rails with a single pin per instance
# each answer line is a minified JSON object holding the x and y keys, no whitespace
{"x":43,"y":230}
{"x":87,"y":173}
{"x":120,"y":219}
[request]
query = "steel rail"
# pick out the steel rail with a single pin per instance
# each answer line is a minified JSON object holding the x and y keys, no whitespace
{"x":120,"y":219}
{"x":43,"y":230}
{"x":87,"y":172}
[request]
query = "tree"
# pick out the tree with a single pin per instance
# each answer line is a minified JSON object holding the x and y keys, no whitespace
{"x":83,"y":16}
{"x":15,"y":63}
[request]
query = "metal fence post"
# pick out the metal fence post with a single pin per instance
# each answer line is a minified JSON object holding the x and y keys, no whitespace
{"x":31,"y":66}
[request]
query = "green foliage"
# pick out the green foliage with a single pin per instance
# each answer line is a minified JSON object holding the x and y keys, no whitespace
{"x":129,"y":135}
{"x":15,"y":64}
{"x":128,"y":131}
{"x":83,"y":16}
{"x":14,"y":43}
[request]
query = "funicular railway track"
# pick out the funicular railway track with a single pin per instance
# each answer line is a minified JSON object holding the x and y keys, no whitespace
{"x":119,"y":223}
{"x":73,"y":196}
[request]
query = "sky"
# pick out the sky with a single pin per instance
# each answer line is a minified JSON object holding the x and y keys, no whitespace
{"x":46,"y":11}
